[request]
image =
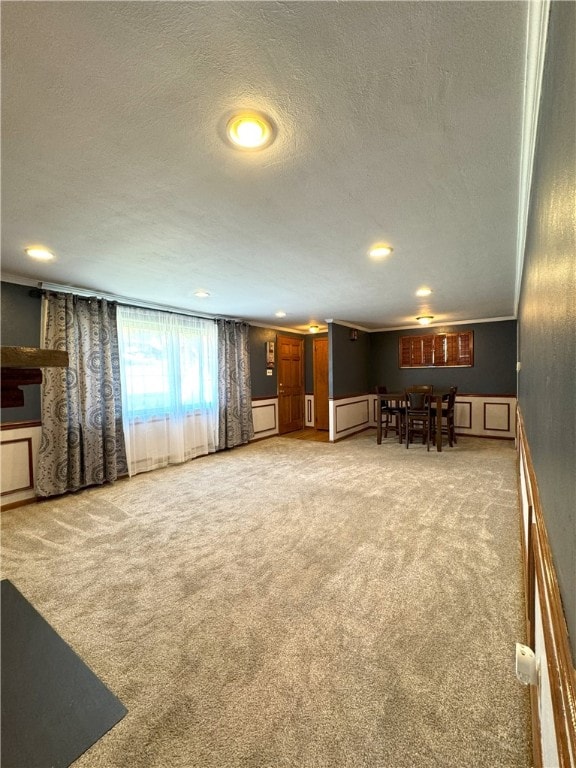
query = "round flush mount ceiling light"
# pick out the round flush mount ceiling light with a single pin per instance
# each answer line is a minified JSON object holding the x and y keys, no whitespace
{"x":380,"y":251}
{"x":201,"y":294}
{"x":39,"y":253}
{"x":280,"y":313}
{"x":423,"y":292}
{"x":425,"y":319}
{"x":249,"y":130}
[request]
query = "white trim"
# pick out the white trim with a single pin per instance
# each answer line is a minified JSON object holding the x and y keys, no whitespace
{"x":8,"y":278}
{"x":445,"y":323}
{"x":18,"y":280}
{"x":351,"y":325}
{"x":87,"y":292}
{"x":536,"y":35}
{"x":278,"y":328}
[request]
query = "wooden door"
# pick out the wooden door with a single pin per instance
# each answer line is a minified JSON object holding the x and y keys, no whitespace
{"x":320,"y":358}
{"x":290,"y":384}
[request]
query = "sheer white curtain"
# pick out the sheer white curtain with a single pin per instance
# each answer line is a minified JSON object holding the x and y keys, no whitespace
{"x":169,"y":372}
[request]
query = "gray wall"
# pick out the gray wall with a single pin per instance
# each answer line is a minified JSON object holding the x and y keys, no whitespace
{"x":262,"y":384}
{"x":493,"y":372}
{"x":20,"y":316}
{"x":309,"y":360}
{"x":547,"y":313}
{"x":349,"y":362}
{"x":21,"y":328}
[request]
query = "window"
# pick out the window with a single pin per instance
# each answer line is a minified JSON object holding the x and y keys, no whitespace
{"x":437,"y":350}
{"x":168,"y":363}
{"x":169,"y":373}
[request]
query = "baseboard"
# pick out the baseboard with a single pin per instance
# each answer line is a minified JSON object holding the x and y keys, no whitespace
{"x":21,"y":503}
{"x":553,"y":699}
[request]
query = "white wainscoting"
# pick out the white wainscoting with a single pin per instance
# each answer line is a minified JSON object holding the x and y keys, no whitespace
{"x":474,"y":415}
{"x":485,"y":416}
{"x":553,"y":699}
{"x":308,"y":410}
{"x":265,"y":417}
{"x":19,"y":451}
{"x":349,"y":415}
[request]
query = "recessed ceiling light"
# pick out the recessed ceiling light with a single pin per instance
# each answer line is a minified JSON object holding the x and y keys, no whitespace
{"x":280,"y":314}
{"x":249,"y":130}
{"x":41,"y":254}
{"x":425,"y":319}
{"x":201,"y":294}
{"x":380,"y":251}
{"x":313,"y":329}
{"x":423,"y":292}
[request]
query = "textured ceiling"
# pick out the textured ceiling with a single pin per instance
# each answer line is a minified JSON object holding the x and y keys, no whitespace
{"x":397,"y":121}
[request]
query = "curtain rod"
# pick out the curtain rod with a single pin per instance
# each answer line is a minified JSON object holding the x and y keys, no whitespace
{"x":130,"y":302}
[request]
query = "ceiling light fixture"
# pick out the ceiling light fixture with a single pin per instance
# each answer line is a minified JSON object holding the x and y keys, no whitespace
{"x":250,"y":130}
{"x":380,"y":251}
{"x":313,"y":329}
{"x":425,"y":319}
{"x":423,"y":292}
{"x":201,"y":294}
{"x":280,"y":314}
{"x":41,"y":254}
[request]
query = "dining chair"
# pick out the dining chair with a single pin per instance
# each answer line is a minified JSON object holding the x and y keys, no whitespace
{"x":417,"y":417}
{"x":390,"y":414}
{"x":426,"y":388}
{"x":448,"y":403}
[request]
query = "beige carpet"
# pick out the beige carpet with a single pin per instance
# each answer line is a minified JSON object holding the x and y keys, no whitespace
{"x":293,"y":604}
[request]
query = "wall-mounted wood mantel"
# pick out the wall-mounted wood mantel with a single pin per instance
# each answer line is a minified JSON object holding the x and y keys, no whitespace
{"x":21,"y":366}
{"x":33,"y":357}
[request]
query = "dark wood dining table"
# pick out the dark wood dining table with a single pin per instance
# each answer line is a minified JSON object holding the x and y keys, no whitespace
{"x":399,"y":399}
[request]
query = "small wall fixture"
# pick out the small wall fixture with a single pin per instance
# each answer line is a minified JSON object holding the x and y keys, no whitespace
{"x":313,"y":329}
{"x":425,"y":319}
{"x":353,"y":334}
{"x":249,"y":130}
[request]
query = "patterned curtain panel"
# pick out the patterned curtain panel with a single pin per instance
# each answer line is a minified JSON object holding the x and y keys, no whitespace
{"x":234,"y":388}
{"x":82,"y":439}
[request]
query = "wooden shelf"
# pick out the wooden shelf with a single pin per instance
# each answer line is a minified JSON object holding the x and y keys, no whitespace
{"x":21,"y":366}
{"x":33,"y":357}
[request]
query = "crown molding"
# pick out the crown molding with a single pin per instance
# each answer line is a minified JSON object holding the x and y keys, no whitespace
{"x":536,"y":35}
{"x":351,"y":325}
{"x":444,"y":324}
{"x":6,"y":277}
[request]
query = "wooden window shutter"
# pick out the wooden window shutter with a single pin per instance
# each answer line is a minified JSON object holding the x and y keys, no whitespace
{"x":437,"y":350}
{"x":405,"y":352}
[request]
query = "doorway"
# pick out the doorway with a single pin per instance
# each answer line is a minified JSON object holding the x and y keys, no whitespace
{"x":320,"y":360}
{"x":290,"y":384}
